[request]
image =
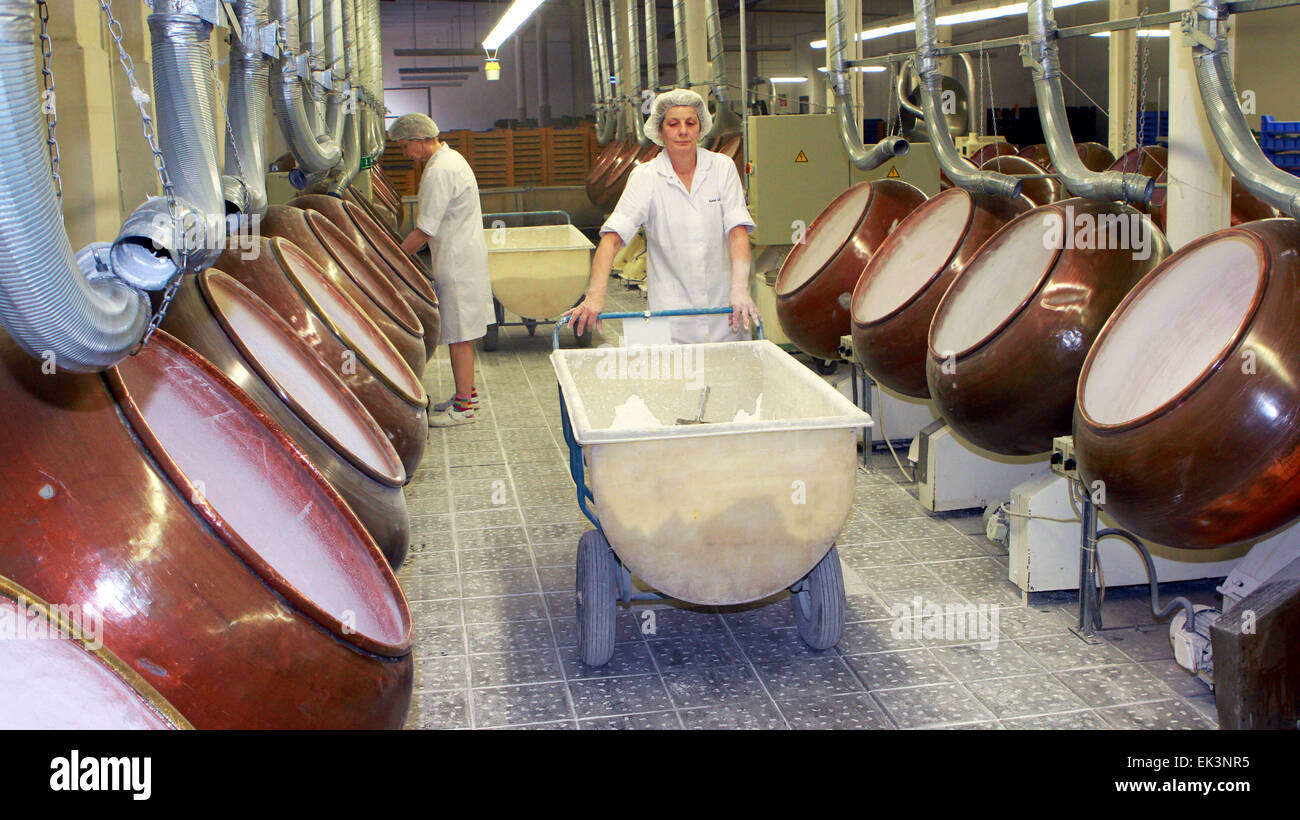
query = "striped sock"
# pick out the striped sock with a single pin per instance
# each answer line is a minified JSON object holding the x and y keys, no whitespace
{"x":460,"y":403}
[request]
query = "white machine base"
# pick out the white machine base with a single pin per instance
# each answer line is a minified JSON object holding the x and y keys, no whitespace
{"x":952,"y":474}
{"x":900,"y":417}
{"x":1044,"y":554}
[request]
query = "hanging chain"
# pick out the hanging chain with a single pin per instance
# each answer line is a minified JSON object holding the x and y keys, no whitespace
{"x":1142,"y":92}
{"x":988,"y":72}
{"x":48,"y":101}
{"x":223,"y":99}
{"x":160,"y":166}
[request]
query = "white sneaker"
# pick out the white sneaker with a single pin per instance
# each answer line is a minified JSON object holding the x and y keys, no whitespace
{"x":451,"y":417}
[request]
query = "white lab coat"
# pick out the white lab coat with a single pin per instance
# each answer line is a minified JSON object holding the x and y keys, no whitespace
{"x":689,"y":258}
{"x":452,"y":217}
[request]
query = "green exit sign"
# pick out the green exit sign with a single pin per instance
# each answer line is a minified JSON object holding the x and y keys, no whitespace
{"x":365,"y":163}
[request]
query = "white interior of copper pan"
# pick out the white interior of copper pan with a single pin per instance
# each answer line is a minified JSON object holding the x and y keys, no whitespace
{"x":833,"y":228}
{"x":233,"y":462}
{"x":357,"y":331}
{"x":1004,"y":273}
{"x":906,"y":265}
{"x":321,"y":399}
{"x":1172,"y":330}
{"x":50,"y":681}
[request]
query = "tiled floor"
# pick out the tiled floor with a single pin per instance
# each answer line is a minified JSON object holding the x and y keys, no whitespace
{"x":490,"y":579}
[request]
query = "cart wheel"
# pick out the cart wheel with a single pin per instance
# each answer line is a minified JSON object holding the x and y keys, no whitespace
{"x":597,"y":598}
{"x":490,"y":338}
{"x":585,"y":339}
{"x":825,"y":367}
{"x":819,"y":605}
{"x":531,"y":324}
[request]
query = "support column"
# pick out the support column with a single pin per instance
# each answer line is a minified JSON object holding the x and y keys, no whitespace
{"x":1123,"y":59}
{"x":84,"y":98}
{"x":697,"y":46}
{"x":1199,"y":197}
{"x":521,"y":91}
{"x":543,"y":75}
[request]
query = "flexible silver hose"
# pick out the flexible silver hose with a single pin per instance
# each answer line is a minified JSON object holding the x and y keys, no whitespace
{"x":620,"y":86}
{"x":599,"y":83}
{"x":961,"y":172}
{"x":651,"y":46}
{"x":336,"y":65}
{"x":725,"y":120}
{"x":634,"y":92}
{"x":250,"y":75}
{"x":47,"y":305}
{"x":149,"y":248}
{"x":311,"y":36}
{"x":837,"y":74}
{"x":1078,"y":180}
{"x":602,"y":51}
{"x":1248,"y":162}
{"x":351,"y":165}
{"x":679,"y":37}
{"x":314,"y":155}
{"x":374,"y":65}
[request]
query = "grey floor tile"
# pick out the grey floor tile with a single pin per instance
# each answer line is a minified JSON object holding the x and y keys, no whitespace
{"x":923,"y":706}
{"x":432,"y":587}
{"x":626,"y":626}
{"x":436,"y":613}
{"x":468,"y":539}
{"x":485,"y":519}
{"x":558,"y":578}
{"x":510,"y":637}
{"x":884,"y":580}
{"x":1142,"y":643}
{"x":602,"y":697}
{"x":557,"y":555}
{"x":807,"y":678}
{"x":631,"y":658}
{"x":1114,"y":685}
{"x":438,"y":641}
{"x":695,"y":651}
{"x":1025,"y":695}
{"x":494,"y":558}
{"x":564,"y":533}
{"x":679,"y":621}
{"x":1085,"y":719}
{"x":1163,"y":714}
{"x":863,"y":532}
{"x":853,"y":711}
{"x":439,"y":673}
{"x":974,"y":662}
{"x":1178,"y":679}
{"x":1030,"y":622}
{"x":970,"y":571}
{"x":875,"y":636}
{"x":864,"y":607}
{"x":650,"y":721}
{"x":499,"y":582}
{"x":778,"y":645}
{"x":553,"y":514}
{"x":893,"y":670}
{"x":504,"y":608}
{"x":911,"y":529}
{"x":1067,"y":651}
{"x":766,"y":614}
{"x":713,"y":686}
{"x":752,"y":714}
{"x":513,"y":705}
{"x":438,"y":710}
{"x":992,"y":593}
{"x":510,"y":668}
{"x":945,"y":548}
{"x":879,"y":554}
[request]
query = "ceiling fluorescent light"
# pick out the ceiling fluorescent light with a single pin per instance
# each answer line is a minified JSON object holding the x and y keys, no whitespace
{"x":1146,"y":32}
{"x":1011,"y":10}
{"x":787,"y":79}
{"x":869,"y":69}
{"x":519,"y":11}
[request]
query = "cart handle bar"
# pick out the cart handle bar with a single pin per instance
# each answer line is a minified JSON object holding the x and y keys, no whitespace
{"x":651,"y":314}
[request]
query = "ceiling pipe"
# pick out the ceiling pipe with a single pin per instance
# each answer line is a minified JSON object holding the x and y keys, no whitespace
{"x":620,"y":85}
{"x":837,"y":74}
{"x":1042,"y":55}
{"x":725,"y":120}
{"x":637,"y":119}
{"x":599,"y":74}
{"x":959,"y":170}
{"x":250,"y":74}
{"x":1204,"y":26}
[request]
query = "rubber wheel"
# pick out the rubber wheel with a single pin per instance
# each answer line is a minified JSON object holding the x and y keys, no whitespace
{"x":531,"y":324}
{"x":825,"y":367}
{"x":597,"y":599}
{"x":490,"y":338}
{"x":819,"y":606}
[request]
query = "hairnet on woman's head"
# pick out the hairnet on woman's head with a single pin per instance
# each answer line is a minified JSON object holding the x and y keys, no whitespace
{"x":413,"y":127}
{"x":672,"y":99}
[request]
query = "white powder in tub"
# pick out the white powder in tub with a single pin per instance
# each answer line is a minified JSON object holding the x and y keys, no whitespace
{"x":741,"y":415}
{"x":633,"y":414}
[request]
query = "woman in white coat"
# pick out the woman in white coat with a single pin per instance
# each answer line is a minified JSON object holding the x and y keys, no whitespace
{"x":697,"y":228}
{"x":450,"y":222}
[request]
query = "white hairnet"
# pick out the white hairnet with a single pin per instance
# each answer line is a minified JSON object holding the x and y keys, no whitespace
{"x":672,"y":99}
{"x":413,"y":127}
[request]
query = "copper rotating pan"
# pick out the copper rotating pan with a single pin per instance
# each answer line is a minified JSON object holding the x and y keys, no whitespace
{"x":369,"y":235}
{"x":380,"y":214}
{"x":1009,"y":337}
{"x":341,"y":336}
{"x":1094,"y":156}
{"x":734,"y":147}
{"x":384,"y":189}
{"x":816,"y":281}
{"x":336,"y":262}
{"x":403,"y":271}
{"x":1037,"y":191}
{"x":225,"y":569}
{"x":631,"y":148}
{"x":1188,"y":400}
{"x":242,"y":336}
{"x":54,"y":675}
{"x":900,"y":289}
{"x":608,"y":157}
{"x":988,"y":152}
{"x":615,"y":186}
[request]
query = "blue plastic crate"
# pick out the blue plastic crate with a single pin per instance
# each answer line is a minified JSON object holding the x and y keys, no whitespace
{"x":1271,"y":143}
{"x":1287,"y":162}
{"x":1268,"y":125}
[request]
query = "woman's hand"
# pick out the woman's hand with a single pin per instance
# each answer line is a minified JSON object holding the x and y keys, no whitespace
{"x":743,"y":310}
{"x":586,"y":314}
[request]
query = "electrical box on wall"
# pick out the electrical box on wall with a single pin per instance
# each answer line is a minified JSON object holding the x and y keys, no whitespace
{"x":798,"y":165}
